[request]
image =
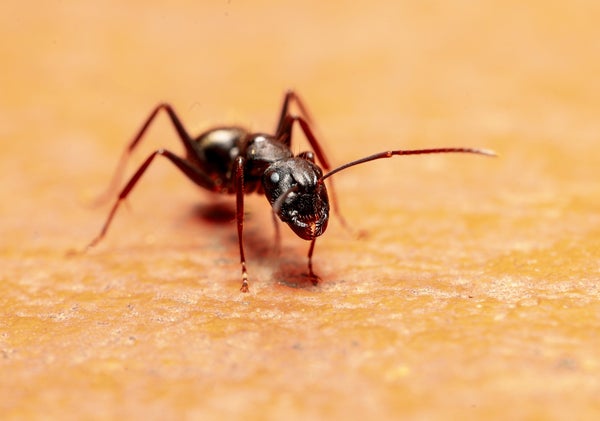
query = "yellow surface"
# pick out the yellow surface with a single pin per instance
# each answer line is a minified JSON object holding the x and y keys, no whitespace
{"x":475,"y":293}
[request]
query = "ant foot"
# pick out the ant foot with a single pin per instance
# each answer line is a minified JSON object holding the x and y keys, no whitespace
{"x":73,"y":253}
{"x":78,"y":252}
{"x":244,"y":288}
{"x":314,"y":278}
{"x":360,"y":234}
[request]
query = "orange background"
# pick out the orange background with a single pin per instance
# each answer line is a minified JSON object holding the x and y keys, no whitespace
{"x":474,"y":294}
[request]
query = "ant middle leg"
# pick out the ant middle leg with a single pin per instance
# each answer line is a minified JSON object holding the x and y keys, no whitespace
{"x":286,"y":122}
{"x":193,"y":173}
{"x":286,"y":133}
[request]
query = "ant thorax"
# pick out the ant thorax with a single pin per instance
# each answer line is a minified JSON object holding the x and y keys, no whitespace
{"x":262,"y":150}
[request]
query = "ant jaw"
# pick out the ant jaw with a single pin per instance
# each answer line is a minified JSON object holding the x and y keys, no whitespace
{"x":309,"y":228}
{"x":307,"y":214}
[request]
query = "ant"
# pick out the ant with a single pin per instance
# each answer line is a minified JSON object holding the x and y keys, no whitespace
{"x":232,"y":160}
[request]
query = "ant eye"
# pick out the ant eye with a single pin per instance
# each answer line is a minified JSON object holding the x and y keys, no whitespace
{"x":274,"y":177}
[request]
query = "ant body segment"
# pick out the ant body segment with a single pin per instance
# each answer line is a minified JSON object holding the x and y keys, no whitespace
{"x":231,"y":160}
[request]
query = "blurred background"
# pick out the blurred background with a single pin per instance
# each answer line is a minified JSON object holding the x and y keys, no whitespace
{"x":519,"y":233}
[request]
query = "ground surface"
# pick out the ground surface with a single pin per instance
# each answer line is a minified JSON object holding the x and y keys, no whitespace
{"x":474,"y":293}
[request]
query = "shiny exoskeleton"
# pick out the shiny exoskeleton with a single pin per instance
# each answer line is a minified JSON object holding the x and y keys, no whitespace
{"x":232,"y":160}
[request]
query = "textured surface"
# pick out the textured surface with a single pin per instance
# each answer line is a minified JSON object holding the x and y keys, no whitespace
{"x":475,"y":292}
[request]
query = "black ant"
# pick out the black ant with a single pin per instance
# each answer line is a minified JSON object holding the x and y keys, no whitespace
{"x":231,"y":160}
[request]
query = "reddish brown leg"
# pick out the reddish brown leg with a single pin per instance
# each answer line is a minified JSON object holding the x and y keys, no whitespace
{"x":181,"y":131}
{"x":277,"y":247}
{"x":314,"y":278}
{"x":291,"y":96}
{"x":239,"y":186}
{"x":287,"y":119}
{"x":286,"y":133}
{"x":193,"y":173}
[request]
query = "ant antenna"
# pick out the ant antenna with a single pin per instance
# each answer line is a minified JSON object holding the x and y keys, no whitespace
{"x":389,"y":154}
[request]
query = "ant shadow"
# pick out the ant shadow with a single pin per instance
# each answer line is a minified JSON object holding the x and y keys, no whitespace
{"x":218,"y":219}
{"x":293,"y":275}
{"x":216,"y":213}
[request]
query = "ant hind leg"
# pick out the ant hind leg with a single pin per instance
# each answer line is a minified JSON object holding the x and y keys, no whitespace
{"x":119,"y":171}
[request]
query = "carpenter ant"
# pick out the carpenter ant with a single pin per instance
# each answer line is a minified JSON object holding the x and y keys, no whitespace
{"x":231,"y":160}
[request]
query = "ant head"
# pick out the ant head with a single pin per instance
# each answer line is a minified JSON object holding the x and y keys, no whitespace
{"x":295,"y":189}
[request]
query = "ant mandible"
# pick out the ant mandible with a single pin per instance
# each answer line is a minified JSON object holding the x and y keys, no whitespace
{"x":232,"y":160}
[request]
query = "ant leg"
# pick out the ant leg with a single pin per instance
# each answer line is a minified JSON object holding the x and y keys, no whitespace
{"x":286,"y":132}
{"x":277,"y":233}
{"x":311,"y":274}
{"x":290,"y":96}
{"x":239,"y":185}
{"x":193,"y":173}
{"x":181,"y":131}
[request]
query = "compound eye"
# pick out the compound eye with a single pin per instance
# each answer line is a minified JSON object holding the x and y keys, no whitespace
{"x":274,"y":177}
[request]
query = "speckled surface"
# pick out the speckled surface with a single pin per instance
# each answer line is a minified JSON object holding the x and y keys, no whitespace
{"x":474,"y":293}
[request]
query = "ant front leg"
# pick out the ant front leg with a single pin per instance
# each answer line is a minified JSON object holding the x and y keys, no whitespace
{"x":314,"y":278}
{"x":239,"y":186}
